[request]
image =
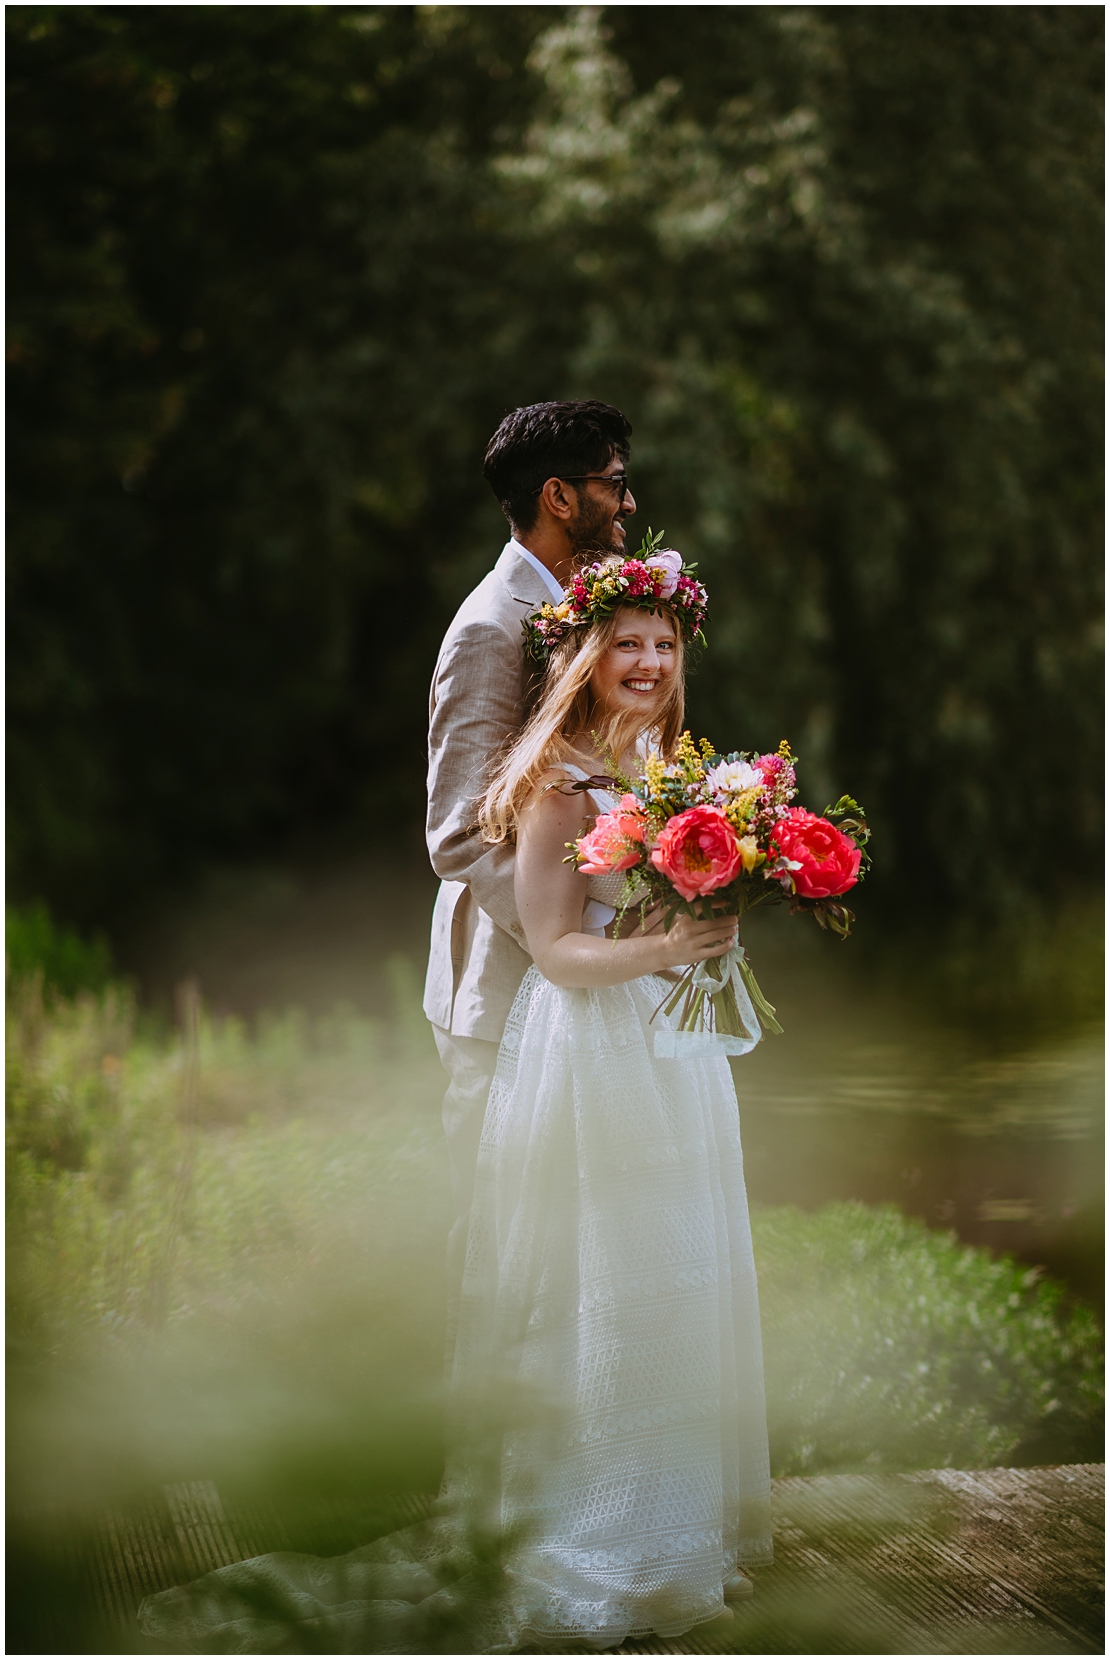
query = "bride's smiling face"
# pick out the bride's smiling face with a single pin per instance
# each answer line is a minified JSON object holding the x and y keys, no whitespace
{"x":637,"y":664}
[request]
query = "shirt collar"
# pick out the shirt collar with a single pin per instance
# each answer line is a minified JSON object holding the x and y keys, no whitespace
{"x":553,"y":588}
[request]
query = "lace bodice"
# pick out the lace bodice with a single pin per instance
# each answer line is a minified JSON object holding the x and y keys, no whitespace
{"x":609,"y":890}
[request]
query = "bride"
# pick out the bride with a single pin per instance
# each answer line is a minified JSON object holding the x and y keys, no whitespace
{"x":609,"y":1283}
{"x":609,"y":1325}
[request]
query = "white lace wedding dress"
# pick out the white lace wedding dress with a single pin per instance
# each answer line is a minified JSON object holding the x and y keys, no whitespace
{"x":609,"y":1324}
{"x":609,"y":1282}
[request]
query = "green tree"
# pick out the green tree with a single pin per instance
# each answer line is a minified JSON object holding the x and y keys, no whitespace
{"x":250,"y":298}
{"x":276,"y":272}
{"x":828,"y":259}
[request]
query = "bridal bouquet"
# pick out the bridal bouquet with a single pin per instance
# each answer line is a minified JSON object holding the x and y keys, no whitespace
{"x":710,"y":834}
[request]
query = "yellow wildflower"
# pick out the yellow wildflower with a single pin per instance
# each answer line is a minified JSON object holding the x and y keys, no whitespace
{"x":740,"y":809}
{"x":688,"y":757}
{"x":654,"y":773}
{"x":750,"y":854}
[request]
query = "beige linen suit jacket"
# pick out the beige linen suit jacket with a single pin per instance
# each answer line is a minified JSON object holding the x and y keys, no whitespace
{"x":480,"y":692}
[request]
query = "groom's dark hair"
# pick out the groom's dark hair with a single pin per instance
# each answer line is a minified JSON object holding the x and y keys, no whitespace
{"x":550,"y":440}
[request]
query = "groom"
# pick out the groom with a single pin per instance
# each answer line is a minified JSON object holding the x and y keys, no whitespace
{"x":558,"y":471}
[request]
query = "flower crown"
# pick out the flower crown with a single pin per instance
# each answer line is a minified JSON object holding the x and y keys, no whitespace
{"x":654,"y":579}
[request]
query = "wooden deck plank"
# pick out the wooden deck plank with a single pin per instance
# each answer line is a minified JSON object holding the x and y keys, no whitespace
{"x":937,"y":1562}
{"x":942,"y":1561}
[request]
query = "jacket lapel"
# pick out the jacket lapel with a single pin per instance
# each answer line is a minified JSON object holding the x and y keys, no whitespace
{"x":524,"y":584}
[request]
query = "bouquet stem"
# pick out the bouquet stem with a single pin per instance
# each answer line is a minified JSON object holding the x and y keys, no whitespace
{"x":765,"y":1010}
{"x":706,"y":1010}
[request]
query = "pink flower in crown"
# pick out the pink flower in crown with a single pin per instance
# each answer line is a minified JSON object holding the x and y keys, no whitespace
{"x":668,"y":566}
{"x":616,"y":842}
{"x":638,"y":578}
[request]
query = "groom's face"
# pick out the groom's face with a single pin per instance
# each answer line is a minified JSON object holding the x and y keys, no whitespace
{"x":597,"y":525}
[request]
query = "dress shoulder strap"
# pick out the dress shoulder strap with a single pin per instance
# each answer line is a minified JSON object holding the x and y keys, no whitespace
{"x":604,"y":800}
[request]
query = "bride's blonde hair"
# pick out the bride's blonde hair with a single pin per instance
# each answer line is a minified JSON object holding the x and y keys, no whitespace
{"x":567,"y":710}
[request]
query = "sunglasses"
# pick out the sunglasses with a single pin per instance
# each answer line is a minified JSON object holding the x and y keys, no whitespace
{"x":619,"y":480}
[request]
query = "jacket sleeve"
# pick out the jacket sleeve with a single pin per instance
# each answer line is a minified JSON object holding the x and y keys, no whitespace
{"x":475,"y":705}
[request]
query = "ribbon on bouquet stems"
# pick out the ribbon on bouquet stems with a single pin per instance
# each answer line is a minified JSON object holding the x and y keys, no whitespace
{"x":718,"y":999}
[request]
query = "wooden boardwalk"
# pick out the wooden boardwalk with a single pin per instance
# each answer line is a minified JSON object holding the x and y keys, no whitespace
{"x":940,"y":1562}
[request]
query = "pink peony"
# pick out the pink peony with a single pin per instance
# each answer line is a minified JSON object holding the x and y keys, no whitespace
{"x":606,"y":847}
{"x":670,"y":564}
{"x":828,"y":858}
{"x":698,"y":851}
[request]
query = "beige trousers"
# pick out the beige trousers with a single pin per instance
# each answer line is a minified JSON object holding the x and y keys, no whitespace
{"x":470,"y":1064}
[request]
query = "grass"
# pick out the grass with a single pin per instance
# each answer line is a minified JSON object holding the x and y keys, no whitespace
{"x":63,"y":959}
{"x":222,"y":1244}
{"x":225,"y":1261}
{"x":892,"y":1347}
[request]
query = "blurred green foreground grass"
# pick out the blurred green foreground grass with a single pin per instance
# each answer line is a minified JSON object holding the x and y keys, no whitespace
{"x":225,"y":1261}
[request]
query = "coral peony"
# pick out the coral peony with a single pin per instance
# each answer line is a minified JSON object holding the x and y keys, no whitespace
{"x":614,"y":843}
{"x":828,"y":859}
{"x":698,"y":851}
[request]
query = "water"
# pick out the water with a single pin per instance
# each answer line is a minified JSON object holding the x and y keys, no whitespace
{"x":866,"y":1098}
{"x":869,"y":1094}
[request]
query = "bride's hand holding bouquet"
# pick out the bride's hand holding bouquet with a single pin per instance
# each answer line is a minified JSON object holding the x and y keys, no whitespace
{"x":707,"y":836}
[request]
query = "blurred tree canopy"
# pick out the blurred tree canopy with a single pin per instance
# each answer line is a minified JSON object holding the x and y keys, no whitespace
{"x":276,"y":272}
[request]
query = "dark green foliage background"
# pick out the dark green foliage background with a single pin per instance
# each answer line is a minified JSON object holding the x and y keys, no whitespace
{"x":276,"y":273}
